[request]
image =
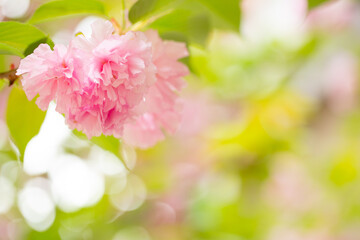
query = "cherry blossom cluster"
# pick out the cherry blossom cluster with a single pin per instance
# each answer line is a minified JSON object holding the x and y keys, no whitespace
{"x":121,"y":85}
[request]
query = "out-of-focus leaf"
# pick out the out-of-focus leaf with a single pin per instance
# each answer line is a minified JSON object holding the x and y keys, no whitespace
{"x":145,"y":8}
{"x":30,"y":49}
{"x":9,"y":50}
{"x":314,"y":3}
{"x":345,"y":168}
{"x":3,"y":83}
{"x":62,"y":8}
{"x":108,"y":143}
{"x":23,"y":118}
{"x":141,"y":9}
{"x":227,"y":10}
{"x":189,"y":27}
{"x":172,"y":21}
{"x":192,"y":20}
{"x":199,"y":28}
{"x":7,"y":155}
{"x":20,"y":38}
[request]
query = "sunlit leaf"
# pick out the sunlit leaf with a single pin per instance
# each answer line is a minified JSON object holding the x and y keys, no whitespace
{"x":192,"y":20}
{"x":20,"y":38}
{"x":108,"y":143}
{"x":314,"y":3}
{"x":227,"y":10}
{"x":189,"y":27}
{"x":62,"y":8}
{"x":145,"y":8}
{"x":23,"y":118}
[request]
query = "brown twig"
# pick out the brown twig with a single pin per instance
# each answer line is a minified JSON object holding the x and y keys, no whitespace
{"x":118,"y":29}
{"x":9,"y":75}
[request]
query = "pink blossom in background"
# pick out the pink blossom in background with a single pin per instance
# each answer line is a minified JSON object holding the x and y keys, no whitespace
{"x":342,"y":12}
{"x":121,"y":85}
{"x":171,"y":207}
{"x":351,"y":232}
{"x":341,"y":81}
{"x":289,"y":187}
{"x":9,"y":230}
{"x":288,"y":233}
{"x":208,"y":113}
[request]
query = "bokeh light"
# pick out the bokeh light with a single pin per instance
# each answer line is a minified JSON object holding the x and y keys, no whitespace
{"x":36,"y":205}
{"x":267,"y":148}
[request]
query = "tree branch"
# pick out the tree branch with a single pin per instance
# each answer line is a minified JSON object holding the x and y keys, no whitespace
{"x":9,"y":75}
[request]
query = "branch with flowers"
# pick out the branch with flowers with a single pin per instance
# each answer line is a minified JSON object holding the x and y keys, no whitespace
{"x":118,"y":81}
{"x":124,"y":79}
{"x":237,"y":109}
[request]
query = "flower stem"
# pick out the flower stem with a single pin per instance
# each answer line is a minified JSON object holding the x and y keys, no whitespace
{"x":10,"y":76}
{"x":123,"y":15}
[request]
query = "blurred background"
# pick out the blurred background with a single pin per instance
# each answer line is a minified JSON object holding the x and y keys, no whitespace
{"x":268,"y":149}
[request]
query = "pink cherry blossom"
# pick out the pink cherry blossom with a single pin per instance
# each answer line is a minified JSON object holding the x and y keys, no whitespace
{"x":119,"y":72}
{"x":45,"y":72}
{"x":162,"y":106}
{"x":121,"y":85}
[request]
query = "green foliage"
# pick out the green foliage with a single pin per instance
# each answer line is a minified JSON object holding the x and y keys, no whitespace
{"x":189,"y":27}
{"x":20,"y":38}
{"x":108,"y":143}
{"x":3,"y":83}
{"x":314,"y":3}
{"x":227,"y":10}
{"x":23,"y":118}
{"x":145,"y":8}
{"x":187,"y":20}
{"x":62,"y":8}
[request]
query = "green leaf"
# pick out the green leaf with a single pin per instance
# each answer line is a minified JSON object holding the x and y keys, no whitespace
{"x":145,"y":8}
{"x":9,"y":50}
{"x":314,"y":3}
{"x":189,"y":27}
{"x":3,"y":83}
{"x":172,"y":21}
{"x":20,"y":38}
{"x":188,"y":19}
{"x":227,"y":10}
{"x":62,"y":8}
{"x":23,"y":118}
{"x":108,"y":143}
